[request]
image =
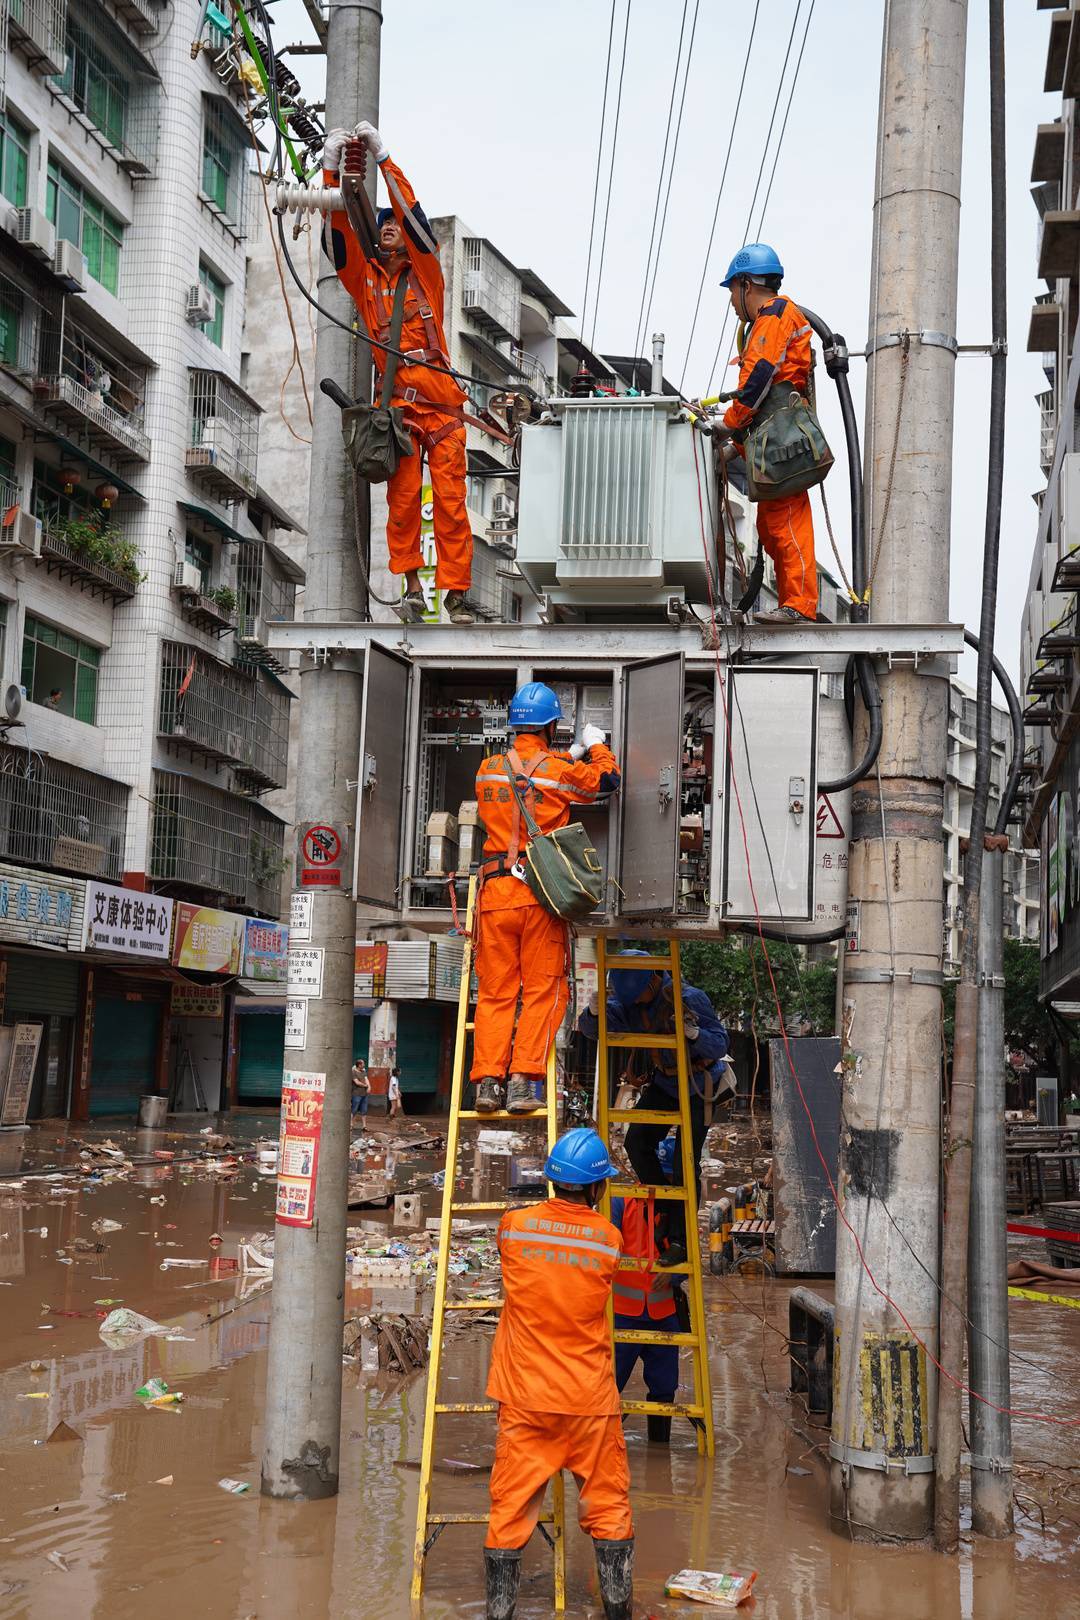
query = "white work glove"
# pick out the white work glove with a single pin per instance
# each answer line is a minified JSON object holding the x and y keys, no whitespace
{"x":690,"y":1029}
{"x":593,"y":735}
{"x":372,"y":140}
{"x":335,"y":143}
{"x":594,"y":1003}
{"x":576,"y":750}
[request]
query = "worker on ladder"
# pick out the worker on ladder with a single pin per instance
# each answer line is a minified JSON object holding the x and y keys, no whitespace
{"x":521,"y":947}
{"x":432,"y":400}
{"x":552,"y":1376}
{"x":776,"y":350}
{"x":649,"y":1295}
{"x":639,"y":1003}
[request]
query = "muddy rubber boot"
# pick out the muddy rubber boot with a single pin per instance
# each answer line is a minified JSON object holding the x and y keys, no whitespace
{"x":489,"y":1096}
{"x":503,"y":1571}
{"x":659,"y":1429}
{"x":521,"y":1096}
{"x":615,"y":1567}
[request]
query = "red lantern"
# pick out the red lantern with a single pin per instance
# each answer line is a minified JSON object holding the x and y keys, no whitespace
{"x":106,"y":494}
{"x":71,"y":478}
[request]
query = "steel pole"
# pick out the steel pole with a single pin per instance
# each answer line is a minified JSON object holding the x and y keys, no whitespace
{"x":303,"y":1381}
{"x":883,"y":1436}
{"x":988,"y":1293}
{"x":656,"y":378}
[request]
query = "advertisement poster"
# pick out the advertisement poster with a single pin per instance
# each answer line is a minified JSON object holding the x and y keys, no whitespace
{"x":197,"y":1001}
{"x":302,"y":1098}
{"x":369,"y":970}
{"x":22,"y":1061}
{"x":266,"y":945}
{"x":127,"y":922}
{"x":206,"y":940}
{"x":432,"y":595}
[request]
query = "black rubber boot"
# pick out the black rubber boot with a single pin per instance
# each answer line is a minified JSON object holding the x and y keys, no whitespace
{"x":503,"y":1571}
{"x":659,"y":1428}
{"x":615,"y":1567}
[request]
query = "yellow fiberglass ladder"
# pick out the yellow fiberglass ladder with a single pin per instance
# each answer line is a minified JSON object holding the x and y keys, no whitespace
{"x":699,"y":1410}
{"x":429,"y":1525}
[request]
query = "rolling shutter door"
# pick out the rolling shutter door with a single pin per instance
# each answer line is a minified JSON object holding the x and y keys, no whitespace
{"x":125,"y":1052}
{"x":40,"y":984}
{"x":419,"y":1037}
{"x":262,"y":1056}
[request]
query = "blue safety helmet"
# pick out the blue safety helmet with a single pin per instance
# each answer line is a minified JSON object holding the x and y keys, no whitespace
{"x":578,"y":1159}
{"x":382,"y":216}
{"x":534,"y":705}
{"x":625,"y":985}
{"x":756,"y":259}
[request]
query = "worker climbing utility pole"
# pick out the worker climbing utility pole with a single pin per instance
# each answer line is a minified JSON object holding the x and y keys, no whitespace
{"x":303,"y":1382}
{"x":883,"y":1436}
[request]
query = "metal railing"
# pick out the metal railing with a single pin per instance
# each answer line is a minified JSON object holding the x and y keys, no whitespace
{"x":224,"y":431}
{"x":24,"y":321}
{"x":70,"y":560}
{"x":79,"y":376}
{"x":267,"y":757}
{"x":204,"y":703}
{"x":58,"y":815}
{"x":491,"y":292}
{"x":43,"y":23}
{"x":205,"y":838}
{"x":530,"y":368}
{"x":1047,"y":429}
{"x":264,"y":595}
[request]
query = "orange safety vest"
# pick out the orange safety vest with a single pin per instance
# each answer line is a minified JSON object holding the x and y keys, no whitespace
{"x":638,"y":1291}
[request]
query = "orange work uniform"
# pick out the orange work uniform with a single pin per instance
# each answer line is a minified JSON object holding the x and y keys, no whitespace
{"x":552,"y":1374}
{"x":777,"y":350}
{"x":433,"y":402}
{"x":522,"y":947}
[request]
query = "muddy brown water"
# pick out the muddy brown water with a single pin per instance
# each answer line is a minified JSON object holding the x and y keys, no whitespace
{"x":136,"y":1549}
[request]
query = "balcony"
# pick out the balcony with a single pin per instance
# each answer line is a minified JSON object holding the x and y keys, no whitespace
{"x":141,"y":16}
{"x":1048,"y":161}
{"x":207,"y":612}
{"x":38,"y":29}
{"x":1059,"y":244}
{"x":24,"y":320}
{"x":266,"y":581}
{"x":85,"y":386}
{"x":223,"y":447}
{"x":1056,"y":51}
{"x":205,"y":706}
{"x":56,"y":815}
{"x":266,"y":752}
{"x":530,"y":368}
{"x":77,"y":550}
{"x":491,"y":289}
{"x":1047,"y":429}
{"x":212,"y":842}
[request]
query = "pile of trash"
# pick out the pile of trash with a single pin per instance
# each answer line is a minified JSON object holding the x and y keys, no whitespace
{"x":386,"y":1342}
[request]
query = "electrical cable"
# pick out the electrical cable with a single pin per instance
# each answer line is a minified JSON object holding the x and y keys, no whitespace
{"x":599,"y":155}
{"x":660,"y":179}
{"x":719,"y":194}
{"x":611,"y":172}
{"x":783,"y":126}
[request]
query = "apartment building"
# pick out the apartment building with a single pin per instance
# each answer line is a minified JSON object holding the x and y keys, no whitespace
{"x":141,"y":558}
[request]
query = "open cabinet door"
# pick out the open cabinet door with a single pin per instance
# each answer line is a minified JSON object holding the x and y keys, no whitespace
{"x":651,"y":765}
{"x":380,"y":796}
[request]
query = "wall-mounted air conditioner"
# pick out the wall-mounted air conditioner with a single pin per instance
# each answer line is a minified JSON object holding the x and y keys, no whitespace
{"x":503,"y":506}
{"x":200,"y":304}
{"x":188,"y":578}
{"x":22,"y":534}
{"x":35,"y":232}
{"x":69,"y":265}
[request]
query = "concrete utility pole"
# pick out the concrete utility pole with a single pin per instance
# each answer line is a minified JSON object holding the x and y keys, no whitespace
{"x":303,"y":1382}
{"x":882,"y":1438}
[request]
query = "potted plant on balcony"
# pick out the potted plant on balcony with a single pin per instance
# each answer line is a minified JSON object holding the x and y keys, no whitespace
{"x":102,"y":543}
{"x":225,"y":599}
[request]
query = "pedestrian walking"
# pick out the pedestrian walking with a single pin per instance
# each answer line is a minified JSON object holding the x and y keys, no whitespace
{"x":393,"y":1094}
{"x":361,"y":1088}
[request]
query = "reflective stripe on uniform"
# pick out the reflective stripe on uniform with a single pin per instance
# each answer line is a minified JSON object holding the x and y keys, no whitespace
{"x":537,"y":1234}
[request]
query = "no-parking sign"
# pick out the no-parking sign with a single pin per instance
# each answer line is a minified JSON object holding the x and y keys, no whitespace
{"x":321,"y":852}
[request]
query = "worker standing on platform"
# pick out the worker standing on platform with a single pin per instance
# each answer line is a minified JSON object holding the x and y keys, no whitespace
{"x":776,"y":351}
{"x":433,"y":402}
{"x":645,"y":1299}
{"x":521,"y":948}
{"x":637,"y":1003}
{"x":552,"y":1376}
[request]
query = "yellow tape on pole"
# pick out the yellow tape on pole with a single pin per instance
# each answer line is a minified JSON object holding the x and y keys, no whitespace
{"x":1046,"y":1299}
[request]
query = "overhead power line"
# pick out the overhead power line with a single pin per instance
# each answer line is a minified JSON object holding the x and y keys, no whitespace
{"x":611,"y":171}
{"x":641,"y":320}
{"x":596,"y":177}
{"x":671,"y":173}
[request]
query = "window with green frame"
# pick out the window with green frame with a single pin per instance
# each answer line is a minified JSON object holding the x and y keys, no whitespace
{"x":222,"y":162}
{"x":200,"y":553}
{"x":215,"y":329}
{"x":14,"y":159}
{"x":95,"y":83}
{"x":49,"y":501}
{"x":9,"y":484}
{"x":11,"y":323}
{"x":81,"y":219}
{"x":60,"y":671}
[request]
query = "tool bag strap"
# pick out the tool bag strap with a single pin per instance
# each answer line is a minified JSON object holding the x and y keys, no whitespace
{"x":397,"y":317}
{"x":515,"y":767}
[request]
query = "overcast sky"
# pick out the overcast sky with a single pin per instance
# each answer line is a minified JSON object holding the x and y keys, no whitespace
{"x":493,"y":110}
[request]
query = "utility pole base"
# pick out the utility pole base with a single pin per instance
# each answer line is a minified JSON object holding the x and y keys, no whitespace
{"x":870,"y":1501}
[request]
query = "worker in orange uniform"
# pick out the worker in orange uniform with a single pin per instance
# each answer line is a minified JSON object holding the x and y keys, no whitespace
{"x":433,"y":401}
{"x":551,"y":1373}
{"x":776,"y":351}
{"x":521,"y":951}
{"x":645,"y":1298}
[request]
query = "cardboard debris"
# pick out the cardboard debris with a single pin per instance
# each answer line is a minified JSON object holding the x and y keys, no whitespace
{"x":387,"y":1343}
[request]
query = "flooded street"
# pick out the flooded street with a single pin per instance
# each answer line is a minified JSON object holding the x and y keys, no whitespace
{"x":124,"y":1516}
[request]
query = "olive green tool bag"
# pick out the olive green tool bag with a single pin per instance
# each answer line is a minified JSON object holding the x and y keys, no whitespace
{"x":375,"y":436}
{"x":786,"y":451}
{"x":561,"y":868}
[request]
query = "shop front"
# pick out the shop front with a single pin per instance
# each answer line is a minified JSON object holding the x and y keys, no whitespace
{"x":41,"y":920}
{"x":127,"y":936}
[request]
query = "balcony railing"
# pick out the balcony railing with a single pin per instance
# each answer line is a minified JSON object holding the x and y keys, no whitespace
{"x":38,"y":28}
{"x":61,"y":557}
{"x":266,"y":595}
{"x":93,"y":391}
{"x":206,"y":839}
{"x":24,"y":321}
{"x":58,"y":815}
{"x":491,"y":291}
{"x":205,"y":705}
{"x":206,"y":613}
{"x":223,"y":447}
{"x":266,"y":758}
{"x":531,"y":369}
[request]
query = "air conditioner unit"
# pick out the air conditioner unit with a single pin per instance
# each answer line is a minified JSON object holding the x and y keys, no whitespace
{"x":23,"y":533}
{"x":503,"y":506}
{"x":35,"y":232}
{"x":200,"y":305}
{"x":69,"y":266}
{"x":188,"y":577}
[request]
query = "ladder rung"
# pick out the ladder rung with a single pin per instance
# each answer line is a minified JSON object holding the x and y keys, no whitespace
{"x":501,"y":1113}
{"x":632,"y":963}
{"x":465,"y":1406}
{"x":473,"y":1305}
{"x":665,"y":1408}
{"x":655,"y":1271}
{"x":665,"y":1043}
{"x":645,"y":1336}
{"x":643,"y":1116}
{"x":474,"y":1518}
{"x":469,"y":1028}
{"x":633,"y":1189}
{"x":457,"y":1208}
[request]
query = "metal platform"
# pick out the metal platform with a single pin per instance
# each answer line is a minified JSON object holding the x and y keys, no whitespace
{"x":575,"y":645}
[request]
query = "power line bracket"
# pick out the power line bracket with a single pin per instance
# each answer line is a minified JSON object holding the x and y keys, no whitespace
{"x":931,"y":340}
{"x":879,"y":1461}
{"x":989,"y":1465}
{"x":868,"y":975}
{"x":991,"y":981}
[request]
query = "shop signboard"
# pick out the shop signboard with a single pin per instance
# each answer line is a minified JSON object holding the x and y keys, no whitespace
{"x":39,"y":909}
{"x":369,"y":970}
{"x":127,"y":922}
{"x":266,"y":949}
{"x":208,"y":941}
{"x":197,"y":1001}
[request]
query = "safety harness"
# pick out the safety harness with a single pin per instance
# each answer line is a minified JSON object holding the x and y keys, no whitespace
{"x":502,"y":862}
